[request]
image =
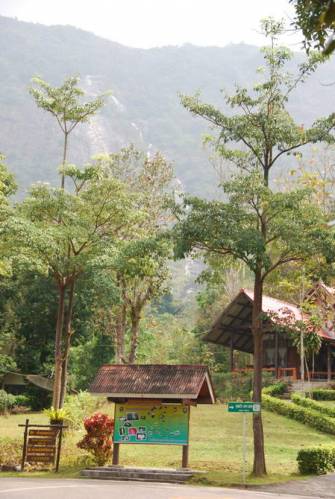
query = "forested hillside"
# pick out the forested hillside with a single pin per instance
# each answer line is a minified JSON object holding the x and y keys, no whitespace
{"x":144,"y":106}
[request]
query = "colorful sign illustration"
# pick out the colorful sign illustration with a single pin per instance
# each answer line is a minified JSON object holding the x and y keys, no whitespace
{"x":151,"y":424}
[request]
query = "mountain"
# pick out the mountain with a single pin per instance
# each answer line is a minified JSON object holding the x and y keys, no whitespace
{"x":144,"y":107}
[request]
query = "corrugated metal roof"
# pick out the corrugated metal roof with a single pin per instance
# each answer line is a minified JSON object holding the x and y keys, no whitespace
{"x":270,"y":304}
{"x":180,"y":381}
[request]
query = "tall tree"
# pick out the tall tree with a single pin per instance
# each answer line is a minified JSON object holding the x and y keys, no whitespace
{"x":65,"y":104}
{"x":140,"y":266}
{"x":256,"y":138}
{"x":93,"y":218}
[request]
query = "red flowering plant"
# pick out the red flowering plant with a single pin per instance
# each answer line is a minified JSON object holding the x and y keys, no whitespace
{"x":98,"y":438}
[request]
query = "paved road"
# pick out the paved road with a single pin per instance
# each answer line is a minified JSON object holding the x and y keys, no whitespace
{"x":20,"y":488}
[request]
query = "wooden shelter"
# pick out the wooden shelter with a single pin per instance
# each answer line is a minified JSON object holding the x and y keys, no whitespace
{"x":16,"y":382}
{"x":153,"y":402}
{"x":232,"y":329}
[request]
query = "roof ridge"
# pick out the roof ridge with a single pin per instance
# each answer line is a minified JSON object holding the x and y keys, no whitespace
{"x":273,"y":298}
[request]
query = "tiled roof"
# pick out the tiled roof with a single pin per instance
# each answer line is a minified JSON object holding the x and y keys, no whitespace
{"x":179,"y":381}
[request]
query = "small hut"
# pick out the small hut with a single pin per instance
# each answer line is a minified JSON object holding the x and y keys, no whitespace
{"x":232,"y":329}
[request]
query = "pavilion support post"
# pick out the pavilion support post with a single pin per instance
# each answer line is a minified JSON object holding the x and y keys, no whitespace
{"x":276,"y":353}
{"x":184,"y":462}
{"x":329,"y":363}
{"x":231,"y":352}
{"x":116,"y":454}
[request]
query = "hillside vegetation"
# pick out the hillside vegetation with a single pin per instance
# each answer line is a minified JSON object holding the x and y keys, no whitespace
{"x":144,"y":107}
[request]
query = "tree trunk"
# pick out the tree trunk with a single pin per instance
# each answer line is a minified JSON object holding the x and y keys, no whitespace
{"x":67,"y":343}
{"x":259,"y":467}
{"x":64,"y":159}
{"x":58,"y":347}
{"x":135,"y":317}
{"x":120,"y":331}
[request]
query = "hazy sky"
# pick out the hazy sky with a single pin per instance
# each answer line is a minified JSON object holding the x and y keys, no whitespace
{"x":152,"y":23}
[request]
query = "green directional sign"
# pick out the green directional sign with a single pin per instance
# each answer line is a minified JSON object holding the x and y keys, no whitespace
{"x":244,"y":407}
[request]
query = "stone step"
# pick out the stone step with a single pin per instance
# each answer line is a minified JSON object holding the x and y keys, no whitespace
{"x":127,"y":469}
{"x":139,"y":474}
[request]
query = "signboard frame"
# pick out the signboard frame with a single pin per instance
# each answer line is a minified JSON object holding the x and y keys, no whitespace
{"x":146,"y":403}
{"x":42,"y":444}
{"x":151,"y":423}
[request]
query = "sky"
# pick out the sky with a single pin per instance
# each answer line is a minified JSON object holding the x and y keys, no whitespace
{"x":155,"y":23}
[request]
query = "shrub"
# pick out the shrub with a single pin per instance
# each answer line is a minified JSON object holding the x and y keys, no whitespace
{"x":98,"y":438}
{"x":323,"y":394}
{"x":302,"y":414}
{"x":7,"y":402}
{"x":316,"y":460}
{"x":311,"y":404}
{"x":22,"y":401}
{"x":275,"y":389}
{"x":10,"y":451}
{"x":56,"y":416}
{"x":80,"y":406}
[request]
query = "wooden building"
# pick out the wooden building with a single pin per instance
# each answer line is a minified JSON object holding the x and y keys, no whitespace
{"x":232,"y":329}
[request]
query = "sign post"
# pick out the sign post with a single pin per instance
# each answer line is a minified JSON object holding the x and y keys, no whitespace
{"x":244,"y":407}
{"x":42,"y":444}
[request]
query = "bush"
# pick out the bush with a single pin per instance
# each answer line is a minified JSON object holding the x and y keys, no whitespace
{"x":22,"y":401}
{"x":7,"y":401}
{"x":311,"y":404}
{"x":276,"y":389}
{"x":10,"y":451}
{"x":323,"y":394}
{"x":98,"y":438}
{"x":316,"y":460}
{"x":301,"y":414}
{"x":80,"y":406}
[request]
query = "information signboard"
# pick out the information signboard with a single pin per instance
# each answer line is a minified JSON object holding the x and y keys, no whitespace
{"x":150,"y":423}
{"x":244,"y":407}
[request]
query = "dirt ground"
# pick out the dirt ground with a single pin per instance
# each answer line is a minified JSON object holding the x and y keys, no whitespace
{"x":321,"y":486}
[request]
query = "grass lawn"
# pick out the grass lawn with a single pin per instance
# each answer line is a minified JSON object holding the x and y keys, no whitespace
{"x":215,"y":446}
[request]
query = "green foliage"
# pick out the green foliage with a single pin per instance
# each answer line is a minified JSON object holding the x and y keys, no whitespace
{"x":306,"y":416}
{"x":294,"y":227}
{"x":323,"y":394}
{"x":316,"y":460}
{"x":311,"y":404}
{"x":7,"y":363}
{"x":38,"y":399}
{"x":236,"y":385}
{"x":90,"y":351}
{"x":80,"y":406}
{"x":275,"y":389}
{"x":316,"y":19}
{"x":21,"y":400}
{"x":7,"y":402}
{"x":56,"y":415}
{"x":64,"y":102}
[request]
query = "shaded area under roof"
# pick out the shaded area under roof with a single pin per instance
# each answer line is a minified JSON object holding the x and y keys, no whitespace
{"x":18,"y":379}
{"x":154,"y":381}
